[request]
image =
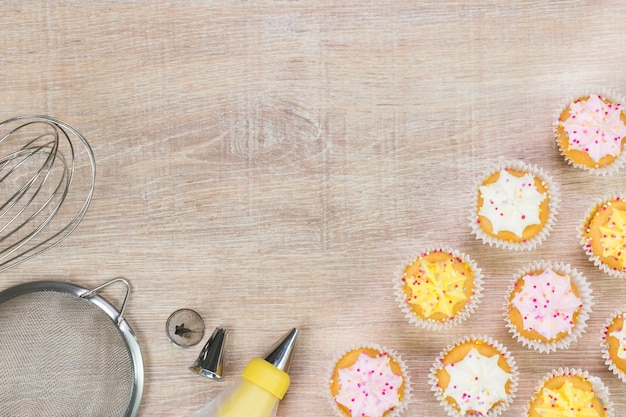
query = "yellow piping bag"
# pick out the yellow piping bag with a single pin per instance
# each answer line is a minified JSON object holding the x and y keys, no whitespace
{"x":262,"y":385}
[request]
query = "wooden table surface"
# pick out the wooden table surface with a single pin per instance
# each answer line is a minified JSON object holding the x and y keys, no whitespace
{"x":271,"y":164}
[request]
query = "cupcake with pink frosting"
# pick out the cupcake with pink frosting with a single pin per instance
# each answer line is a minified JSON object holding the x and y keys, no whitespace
{"x":548,"y":305}
{"x":590,"y":132}
{"x":369,"y":380}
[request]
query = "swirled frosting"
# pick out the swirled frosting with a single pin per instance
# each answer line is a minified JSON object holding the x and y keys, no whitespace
{"x":437,"y":287}
{"x":511,"y":203}
{"x":369,"y":387}
{"x":547,"y":303}
{"x":476,"y":382}
{"x":613,"y":237}
{"x":621,"y":336}
{"x":567,"y":401}
{"x":595,"y":127}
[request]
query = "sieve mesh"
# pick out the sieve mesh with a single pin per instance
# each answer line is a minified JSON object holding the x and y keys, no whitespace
{"x":61,"y":355}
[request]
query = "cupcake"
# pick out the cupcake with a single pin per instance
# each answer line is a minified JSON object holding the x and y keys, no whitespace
{"x":441,"y":287}
{"x":548,"y":305}
{"x":603,"y":235}
{"x":476,"y":376}
{"x":570,"y":392}
{"x":516,"y":206}
{"x":591,"y":131}
{"x":614,"y":343}
{"x":369,"y":381}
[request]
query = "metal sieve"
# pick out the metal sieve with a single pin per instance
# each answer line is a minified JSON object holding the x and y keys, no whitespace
{"x":66,"y":351}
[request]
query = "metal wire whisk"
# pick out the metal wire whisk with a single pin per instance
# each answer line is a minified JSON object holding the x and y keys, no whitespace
{"x":40,"y":201}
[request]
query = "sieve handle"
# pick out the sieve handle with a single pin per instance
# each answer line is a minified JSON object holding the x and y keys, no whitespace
{"x":91,"y":293}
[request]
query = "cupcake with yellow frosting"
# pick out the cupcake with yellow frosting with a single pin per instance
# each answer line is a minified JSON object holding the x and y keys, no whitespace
{"x":548,"y":305}
{"x":571,"y":393}
{"x":614,"y":343}
{"x":439,"y":288}
{"x":515,"y":206}
{"x":591,"y":132}
{"x":369,"y":380}
{"x":603,"y":235}
{"x":476,"y":376}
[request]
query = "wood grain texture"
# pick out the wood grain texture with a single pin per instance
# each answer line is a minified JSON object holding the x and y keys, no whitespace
{"x":271,"y":164}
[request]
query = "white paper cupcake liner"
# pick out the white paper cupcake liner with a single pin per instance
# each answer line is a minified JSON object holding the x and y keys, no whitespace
{"x":605,"y":93}
{"x":600,"y":390}
{"x":585,"y":242}
{"x":605,"y":345}
{"x":553,"y":193}
{"x":584,"y":293}
{"x":438,"y":365}
{"x":406,"y":397}
{"x":462,"y":315}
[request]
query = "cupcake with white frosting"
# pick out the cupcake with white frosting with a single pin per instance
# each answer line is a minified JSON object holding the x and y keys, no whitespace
{"x":515,"y":206}
{"x":476,"y":376}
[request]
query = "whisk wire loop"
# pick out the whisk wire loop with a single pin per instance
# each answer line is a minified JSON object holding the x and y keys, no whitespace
{"x":37,"y":172}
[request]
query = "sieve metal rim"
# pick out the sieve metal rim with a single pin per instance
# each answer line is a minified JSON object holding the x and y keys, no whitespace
{"x":108,"y":308}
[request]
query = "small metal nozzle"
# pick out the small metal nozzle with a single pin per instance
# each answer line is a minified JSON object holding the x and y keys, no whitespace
{"x":210,"y":362}
{"x":281,"y":353}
